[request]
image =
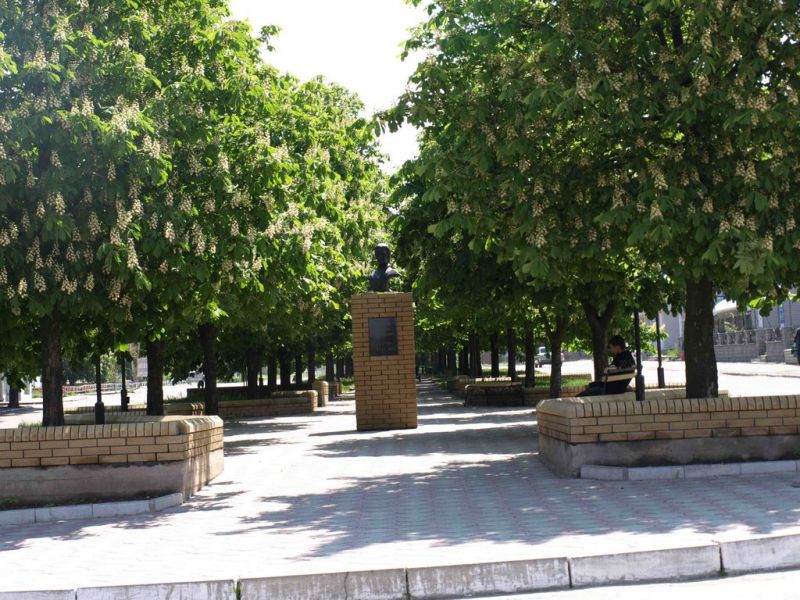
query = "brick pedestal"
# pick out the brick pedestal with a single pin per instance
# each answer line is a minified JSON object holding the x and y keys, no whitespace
{"x":383,"y":360}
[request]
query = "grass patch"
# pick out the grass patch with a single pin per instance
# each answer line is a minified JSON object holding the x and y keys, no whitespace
{"x":566,"y":381}
{"x":347,"y":384}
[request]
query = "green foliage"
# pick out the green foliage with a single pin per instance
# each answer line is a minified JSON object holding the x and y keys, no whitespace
{"x":156,"y":175}
{"x":583,"y":129}
{"x":613,"y":152}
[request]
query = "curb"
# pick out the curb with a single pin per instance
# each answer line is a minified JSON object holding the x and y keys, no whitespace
{"x":513,"y":577}
{"x":707,"y":561}
{"x":697,"y":562}
{"x":761,"y":554}
{"x":100,"y":510}
{"x":364,"y":585}
{"x":203,"y":590}
{"x":55,"y":595}
{"x":606,"y":473}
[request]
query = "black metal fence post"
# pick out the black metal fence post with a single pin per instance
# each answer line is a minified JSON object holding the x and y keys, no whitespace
{"x":662,"y":383}
{"x":124,"y":399}
{"x":99,"y":407}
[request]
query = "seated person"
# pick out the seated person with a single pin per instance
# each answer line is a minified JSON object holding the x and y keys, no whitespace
{"x":796,"y":346}
{"x":623,"y":360}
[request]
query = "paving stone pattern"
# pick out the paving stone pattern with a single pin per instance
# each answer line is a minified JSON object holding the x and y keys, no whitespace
{"x":311,"y":495}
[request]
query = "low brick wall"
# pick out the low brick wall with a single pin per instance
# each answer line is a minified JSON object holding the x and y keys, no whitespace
{"x":459,"y":383}
{"x":91,"y":461}
{"x":533,"y":396}
{"x":510,"y":394}
{"x":323,"y":391}
{"x":655,"y":432}
{"x":185,"y":408}
{"x":674,"y":393}
{"x":278,"y":404}
{"x":140,"y":409}
{"x":141,"y":439}
{"x":496,"y":393}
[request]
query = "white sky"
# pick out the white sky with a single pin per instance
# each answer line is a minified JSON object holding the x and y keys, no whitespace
{"x":356,"y":43}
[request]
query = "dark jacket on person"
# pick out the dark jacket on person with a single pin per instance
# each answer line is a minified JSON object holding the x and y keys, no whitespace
{"x":623,"y":360}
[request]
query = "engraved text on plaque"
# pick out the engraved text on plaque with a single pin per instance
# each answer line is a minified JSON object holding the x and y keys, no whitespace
{"x":383,"y":336}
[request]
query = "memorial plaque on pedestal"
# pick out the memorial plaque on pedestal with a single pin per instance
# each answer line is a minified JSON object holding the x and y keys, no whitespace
{"x":384,"y":359}
{"x":383,"y":336}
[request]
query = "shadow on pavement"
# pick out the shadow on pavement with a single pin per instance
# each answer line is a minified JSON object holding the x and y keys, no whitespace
{"x":251,"y":437}
{"x":497,"y":491}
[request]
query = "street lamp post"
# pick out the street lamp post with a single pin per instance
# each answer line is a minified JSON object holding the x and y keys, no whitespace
{"x":661,"y":381}
{"x":637,"y":328}
{"x":124,"y":400}
{"x":99,"y":407}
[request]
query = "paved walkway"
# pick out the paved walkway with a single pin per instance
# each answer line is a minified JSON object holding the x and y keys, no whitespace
{"x":310,"y":495}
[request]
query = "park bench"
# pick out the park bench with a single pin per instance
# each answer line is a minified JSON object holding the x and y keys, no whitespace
{"x":614,"y":374}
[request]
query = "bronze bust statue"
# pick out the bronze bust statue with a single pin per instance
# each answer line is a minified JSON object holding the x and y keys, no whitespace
{"x":379,"y":280}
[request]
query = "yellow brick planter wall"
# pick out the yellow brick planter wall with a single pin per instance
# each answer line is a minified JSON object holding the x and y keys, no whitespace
{"x":140,"y":409}
{"x":323,"y":391}
{"x":669,"y":431}
{"x":279,"y":404}
{"x":63,"y":463}
{"x":385,"y":386}
{"x":580,"y":423}
{"x":150,"y":439}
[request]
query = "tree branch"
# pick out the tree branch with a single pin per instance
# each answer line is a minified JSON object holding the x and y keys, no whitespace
{"x":659,"y":29}
{"x":677,"y":32}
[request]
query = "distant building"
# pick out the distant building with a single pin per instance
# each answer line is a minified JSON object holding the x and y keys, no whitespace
{"x":743,"y":335}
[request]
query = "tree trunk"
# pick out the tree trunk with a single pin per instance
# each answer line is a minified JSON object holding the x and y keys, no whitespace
{"x":330,"y":367}
{"x":555,"y":368}
{"x":494,"y":340}
{"x":155,"y":377}
{"x":475,"y":356}
{"x":452,"y":361}
{"x":253,"y":359}
{"x":701,"y":362}
{"x":299,"y":367}
{"x":599,"y":325}
{"x":312,"y":364}
{"x":208,"y":341}
{"x":272,"y":373}
{"x":13,"y":397}
{"x":511,"y":342}
{"x":52,"y":371}
{"x":339,"y":368}
{"x":556,"y":338}
{"x":530,"y":357}
{"x":286,"y":368}
{"x":348,"y":365}
{"x":463,"y":361}
{"x":330,"y":375}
